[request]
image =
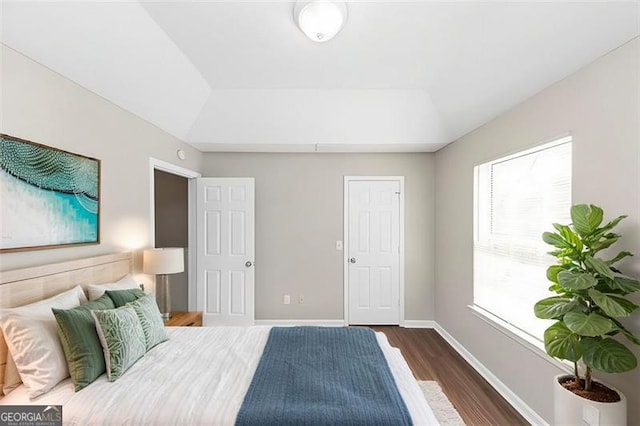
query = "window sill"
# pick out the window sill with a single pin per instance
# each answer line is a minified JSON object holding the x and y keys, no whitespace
{"x":533,"y":345}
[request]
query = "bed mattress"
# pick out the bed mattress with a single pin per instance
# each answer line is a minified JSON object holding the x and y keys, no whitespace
{"x":199,"y":376}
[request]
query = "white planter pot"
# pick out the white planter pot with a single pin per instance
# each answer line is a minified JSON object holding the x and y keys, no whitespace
{"x":571,"y":409}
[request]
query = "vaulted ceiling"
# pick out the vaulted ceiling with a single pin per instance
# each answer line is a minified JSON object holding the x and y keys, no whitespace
{"x":240,"y":76}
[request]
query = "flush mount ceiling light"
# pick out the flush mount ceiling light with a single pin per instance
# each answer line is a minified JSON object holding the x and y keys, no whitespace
{"x":320,"y":20}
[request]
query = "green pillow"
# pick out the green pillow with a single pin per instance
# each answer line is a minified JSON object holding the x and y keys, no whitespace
{"x":150,"y":319}
{"x":82,"y":348}
{"x":122,"y":339}
{"x":122,"y":297}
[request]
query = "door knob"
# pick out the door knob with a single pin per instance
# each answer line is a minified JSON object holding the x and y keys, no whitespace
{"x":248,"y":264}
{"x":352,"y":260}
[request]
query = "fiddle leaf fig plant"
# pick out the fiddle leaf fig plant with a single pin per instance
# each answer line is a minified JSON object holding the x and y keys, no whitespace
{"x":591,"y":296}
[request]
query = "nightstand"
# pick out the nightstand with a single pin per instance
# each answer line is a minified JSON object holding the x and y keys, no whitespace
{"x":184,"y":319}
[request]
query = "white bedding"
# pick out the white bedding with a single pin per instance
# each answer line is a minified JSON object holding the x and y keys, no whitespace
{"x":200,"y":376}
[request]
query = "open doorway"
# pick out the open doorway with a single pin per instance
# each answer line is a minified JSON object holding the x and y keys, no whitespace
{"x":173,"y":224}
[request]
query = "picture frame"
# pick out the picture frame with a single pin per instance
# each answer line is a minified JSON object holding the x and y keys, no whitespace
{"x":49,"y":197}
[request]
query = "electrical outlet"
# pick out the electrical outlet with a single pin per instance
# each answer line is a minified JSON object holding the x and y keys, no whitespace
{"x":287,"y":299}
{"x":301,"y":299}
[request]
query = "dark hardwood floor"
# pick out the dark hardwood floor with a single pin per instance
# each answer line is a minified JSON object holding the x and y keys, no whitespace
{"x":431,"y":358}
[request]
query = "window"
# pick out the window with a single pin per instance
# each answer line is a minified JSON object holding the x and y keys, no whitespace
{"x":517,"y":198}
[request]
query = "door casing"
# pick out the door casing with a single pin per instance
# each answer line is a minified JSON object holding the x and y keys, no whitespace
{"x":345,"y":261}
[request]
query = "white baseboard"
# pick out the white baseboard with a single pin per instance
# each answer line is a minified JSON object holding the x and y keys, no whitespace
{"x":293,"y":323}
{"x":419,"y":324}
{"x":513,"y":399}
{"x":339,"y":323}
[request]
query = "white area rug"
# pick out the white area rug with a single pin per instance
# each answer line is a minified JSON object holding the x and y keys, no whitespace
{"x":440,"y":404}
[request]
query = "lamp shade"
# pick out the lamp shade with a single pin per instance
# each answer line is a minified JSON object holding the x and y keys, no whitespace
{"x":163,"y":261}
{"x":320,"y":20}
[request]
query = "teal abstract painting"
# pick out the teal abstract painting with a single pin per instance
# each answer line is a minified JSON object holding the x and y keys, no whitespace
{"x":48,"y":197}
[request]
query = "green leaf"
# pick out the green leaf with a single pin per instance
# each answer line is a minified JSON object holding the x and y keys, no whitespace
{"x":614,"y":306}
{"x":608,"y":355}
{"x":619,"y":257}
{"x":559,"y":227}
{"x":599,"y":265}
{"x":580,"y":218}
{"x":608,"y":241}
{"x":557,"y":288}
{"x":574,"y":239}
{"x":555,"y":240}
{"x":627,"y":305}
{"x":560,"y":342}
{"x":576,"y":280}
{"x":552,"y":272}
{"x":606,"y":228}
{"x":626,"y":332}
{"x":591,"y":325}
{"x":595,"y":218}
{"x":554,"y":307}
{"x":569,"y":236}
{"x":586,"y":219}
{"x":630,"y":336}
{"x":626,"y":285}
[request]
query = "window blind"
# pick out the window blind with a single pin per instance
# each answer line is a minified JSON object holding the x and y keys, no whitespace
{"x":517,"y":199}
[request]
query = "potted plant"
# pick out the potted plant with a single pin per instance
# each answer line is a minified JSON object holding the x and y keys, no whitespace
{"x":591,"y":298}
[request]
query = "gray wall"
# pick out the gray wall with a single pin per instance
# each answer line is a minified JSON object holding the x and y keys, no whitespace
{"x":39,"y":105}
{"x":600,"y":106}
{"x":299,"y":217}
{"x":171,"y":208}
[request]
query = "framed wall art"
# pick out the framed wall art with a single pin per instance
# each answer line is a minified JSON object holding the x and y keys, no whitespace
{"x":48,"y":197}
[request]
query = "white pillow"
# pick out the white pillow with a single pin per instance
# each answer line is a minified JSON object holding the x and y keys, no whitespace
{"x":12,"y":378}
{"x":11,"y":375}
{"x":125,"y":283}
{"x":65,"y":297}
{"x":32,"y":338}
{"x":82,"y":296}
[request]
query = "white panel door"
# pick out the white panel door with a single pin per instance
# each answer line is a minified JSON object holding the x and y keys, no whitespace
{"x":225,"y":278}
{"x":374,"y":252}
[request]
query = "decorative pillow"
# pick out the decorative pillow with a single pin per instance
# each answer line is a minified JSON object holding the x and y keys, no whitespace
{"x":31,"y":335}
{"x":122,"y":339}
{"x":122,"y":297}
{"x":150,"y":319}
{"x":97,"y":290}
{"x":82,"y":348}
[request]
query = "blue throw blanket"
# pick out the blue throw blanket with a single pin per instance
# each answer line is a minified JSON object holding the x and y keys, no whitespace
{"x":323,"y":376}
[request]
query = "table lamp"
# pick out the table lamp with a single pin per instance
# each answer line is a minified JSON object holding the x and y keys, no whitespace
{"x":162,"y":262}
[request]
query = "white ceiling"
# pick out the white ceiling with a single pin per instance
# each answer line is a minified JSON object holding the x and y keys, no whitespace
{"x":240,"y":76}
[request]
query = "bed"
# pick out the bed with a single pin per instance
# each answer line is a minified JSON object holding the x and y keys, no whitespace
{"x":198,"y":376}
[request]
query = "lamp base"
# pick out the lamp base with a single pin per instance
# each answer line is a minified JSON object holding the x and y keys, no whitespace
{"x":163,"y":296}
